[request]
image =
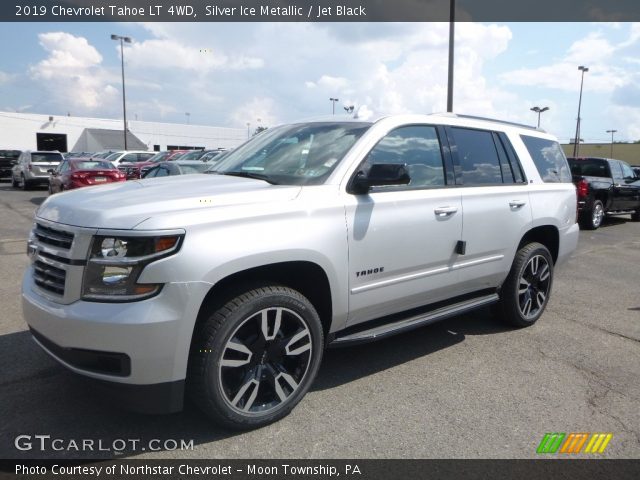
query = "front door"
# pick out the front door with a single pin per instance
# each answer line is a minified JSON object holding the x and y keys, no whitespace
{"x":402,"y":239}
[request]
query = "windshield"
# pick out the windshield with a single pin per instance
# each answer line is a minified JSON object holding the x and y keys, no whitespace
{"x":195,"y":155}
{"x":159,"y":157}
{"x":113,"y":156}
{"x":300,"y":154}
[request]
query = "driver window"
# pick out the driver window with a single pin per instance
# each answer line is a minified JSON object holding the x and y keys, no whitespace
{"x":417,"y":147}
{"x":626,"y":171}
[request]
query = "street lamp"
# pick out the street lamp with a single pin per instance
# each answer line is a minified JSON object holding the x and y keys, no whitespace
{"x":124,"y":102}
{"x":612,"y":132}
{"x":333,"y":104}
{"x":539,"y":110}
{"x":452,"y":21}
{"x":583,"y":69}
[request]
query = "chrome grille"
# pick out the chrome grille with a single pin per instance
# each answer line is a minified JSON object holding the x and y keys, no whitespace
{"x":49,"y":278}
{"x":50,"y":236}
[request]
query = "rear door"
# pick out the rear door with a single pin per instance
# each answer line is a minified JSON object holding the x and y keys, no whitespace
{"x":495,"y":205}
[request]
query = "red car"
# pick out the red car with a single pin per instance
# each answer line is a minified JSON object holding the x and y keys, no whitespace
{"x":82,"y":172}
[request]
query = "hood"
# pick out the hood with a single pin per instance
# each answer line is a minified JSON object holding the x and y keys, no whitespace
{"x":124,"y":205}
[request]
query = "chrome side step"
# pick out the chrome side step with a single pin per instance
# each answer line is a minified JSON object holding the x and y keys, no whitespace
{"x":411,"y":322}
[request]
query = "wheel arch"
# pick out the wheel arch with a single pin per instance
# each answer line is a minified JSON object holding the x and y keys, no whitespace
{"x":547,"y":235}
{"x":307,"y":277}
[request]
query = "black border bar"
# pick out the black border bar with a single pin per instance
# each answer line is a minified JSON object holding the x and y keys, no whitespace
{"x":318,"y":10}
{"x":556,"y":468}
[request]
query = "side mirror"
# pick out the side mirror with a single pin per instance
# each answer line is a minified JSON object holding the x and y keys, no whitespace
{"x":380,"y":174}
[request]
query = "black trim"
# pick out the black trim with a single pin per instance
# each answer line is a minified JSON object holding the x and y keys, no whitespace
{"x":106,"y":363}
{"x":67,"y":261}
{"x":338,"y":339}
{"x":152,"y":399}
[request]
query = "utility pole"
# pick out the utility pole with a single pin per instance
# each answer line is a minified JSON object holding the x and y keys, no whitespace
{"x":583,"y":69}
{"x":452,"y":21}
{"x":124,"y":102}
{"x":612,"y":132}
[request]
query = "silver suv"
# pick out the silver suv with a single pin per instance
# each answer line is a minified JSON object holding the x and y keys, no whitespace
{"x":230,"y":285}
{"x":32,"y":168}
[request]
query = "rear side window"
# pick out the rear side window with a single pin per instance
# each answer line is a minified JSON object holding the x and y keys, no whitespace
{"x":549,"y":159}
{"x":477,"y":156}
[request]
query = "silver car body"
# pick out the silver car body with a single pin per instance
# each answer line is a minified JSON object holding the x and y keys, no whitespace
{"x":34,"y":166}
{"x":234,"y":224}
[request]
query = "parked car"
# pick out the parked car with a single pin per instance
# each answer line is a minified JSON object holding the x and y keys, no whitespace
{"x":176,"y":167}
{"x":212,"y":155}
{"x":32,"y":168}
{"x":8,"y":158}
{"x":605,"y":187}
{"x":80,"y":172}
{"x":134,"y":171}
{"x":333,"y":232}
{"x":129,"y":156}
{"x":191,"y":155}
{"x":77,"y":154}
{"x":102,"y":155}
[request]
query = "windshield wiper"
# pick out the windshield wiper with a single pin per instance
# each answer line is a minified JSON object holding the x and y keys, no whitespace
{"x":257,"y":176}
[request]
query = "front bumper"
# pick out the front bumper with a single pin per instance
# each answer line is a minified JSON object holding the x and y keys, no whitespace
{"x":133,"y":346}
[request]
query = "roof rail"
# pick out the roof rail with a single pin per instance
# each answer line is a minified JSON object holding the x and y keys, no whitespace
{"x":504,"y":122}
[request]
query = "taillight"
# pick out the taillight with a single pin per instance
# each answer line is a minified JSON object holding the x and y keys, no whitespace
{"x":582,"y":188}
{"x":78,"y":176}
{"x":30,"y":167}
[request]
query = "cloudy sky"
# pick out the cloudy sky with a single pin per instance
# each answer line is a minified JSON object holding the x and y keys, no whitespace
{"x":230,"y":74}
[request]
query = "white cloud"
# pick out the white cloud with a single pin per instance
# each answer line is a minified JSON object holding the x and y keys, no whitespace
{"x":5,"y":77}
{"x":72,"y":73}
{"x":262,"y":108}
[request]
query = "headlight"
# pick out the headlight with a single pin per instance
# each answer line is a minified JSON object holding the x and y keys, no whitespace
{"x":115,"y":264}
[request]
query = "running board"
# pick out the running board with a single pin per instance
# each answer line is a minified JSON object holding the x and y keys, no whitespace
{"x":415,"y":321}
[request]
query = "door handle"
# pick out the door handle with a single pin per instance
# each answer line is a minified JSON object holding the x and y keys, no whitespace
{"x":445,"y":211}
{"x":517,"y":203}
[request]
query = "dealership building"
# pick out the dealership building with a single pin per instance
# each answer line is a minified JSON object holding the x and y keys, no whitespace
{"x":29,"y":131}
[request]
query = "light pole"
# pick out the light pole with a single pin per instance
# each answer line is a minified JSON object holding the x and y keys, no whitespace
{"x":612,"y":132}
{"x":583,"y":69}
{"x":539,"y":110}
{"x":452,"y":21}
{"x":124,"y":101}
{"x":333,"y":105}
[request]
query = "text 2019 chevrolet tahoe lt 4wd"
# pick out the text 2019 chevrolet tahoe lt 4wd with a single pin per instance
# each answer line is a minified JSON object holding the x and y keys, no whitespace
{"x":229,"y":285}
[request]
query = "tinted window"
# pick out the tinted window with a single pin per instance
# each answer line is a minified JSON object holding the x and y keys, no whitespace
{"x":478,"y":157}
{"x":418,"y":148}
{"x":46,"y":157}
{"x":549,"y":159}
{"x":589,"y":167}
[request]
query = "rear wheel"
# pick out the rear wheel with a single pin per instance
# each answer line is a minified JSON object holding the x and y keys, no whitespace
{"x":254,"y":359}
{"x":593,"y":218}
{"x":526,"y":290}
{"x":24,"y":184}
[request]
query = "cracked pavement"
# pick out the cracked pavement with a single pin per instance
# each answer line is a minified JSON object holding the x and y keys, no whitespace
{"x":467,"y":387}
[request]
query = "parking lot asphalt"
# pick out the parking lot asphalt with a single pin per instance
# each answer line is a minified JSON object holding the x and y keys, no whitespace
{"x":467,"y":387}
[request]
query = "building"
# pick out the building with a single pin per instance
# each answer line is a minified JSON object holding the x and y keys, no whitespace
{"x":30,"y":131}
{"x":629,"y":152}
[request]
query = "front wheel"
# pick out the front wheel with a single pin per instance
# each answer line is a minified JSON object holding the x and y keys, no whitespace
{"x":526,"y":290}
{"x":254,"y":358}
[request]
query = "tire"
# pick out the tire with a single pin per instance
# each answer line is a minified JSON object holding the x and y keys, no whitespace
{"x":24,"y":184}
{"x":253,"y":359}
{"x":525,"y":292}
{"x":14,"y":184}
{"x":592,"y":219}
{"x":635,"y":216}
